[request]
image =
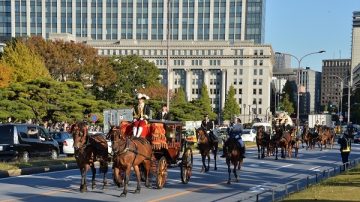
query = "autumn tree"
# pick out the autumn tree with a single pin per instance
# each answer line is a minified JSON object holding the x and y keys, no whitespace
{"x":70,"y":61}
{"x":24,"y":63}
{"x":231,"y":107}
{"x":5,"y":76}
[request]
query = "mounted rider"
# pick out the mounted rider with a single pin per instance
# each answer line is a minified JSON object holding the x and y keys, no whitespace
{"x":235,"y":133}
{"x":141,"y":114}
{"x":208,"y":126}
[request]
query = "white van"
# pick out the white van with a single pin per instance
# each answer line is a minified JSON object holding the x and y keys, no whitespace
{"x":268,"y":126}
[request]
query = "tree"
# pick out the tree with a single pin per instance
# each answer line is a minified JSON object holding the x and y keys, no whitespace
{"x":204,"y":103}
{"x":24,"y":63}
{"x":290,"y":90}
{"x":231,"y":108}
{"x":182,"y":110}
{"x":69,"y":61}
{"x":286,"y":105}
{"x":49,"y":100}
{"x":5,"y":76}
{"x":135,"y":73}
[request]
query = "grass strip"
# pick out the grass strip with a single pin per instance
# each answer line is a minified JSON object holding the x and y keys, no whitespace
{"x":343,"y":187}
{"x":5,"y":166}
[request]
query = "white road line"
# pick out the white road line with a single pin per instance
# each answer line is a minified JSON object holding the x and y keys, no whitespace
{"x":284,"y":166}
{"x":315,"y":168}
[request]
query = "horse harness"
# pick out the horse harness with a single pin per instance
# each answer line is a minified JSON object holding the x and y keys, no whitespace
{"x":128,"y":149}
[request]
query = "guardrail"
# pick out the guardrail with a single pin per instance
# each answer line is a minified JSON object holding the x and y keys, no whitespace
{"x":279,"y":192}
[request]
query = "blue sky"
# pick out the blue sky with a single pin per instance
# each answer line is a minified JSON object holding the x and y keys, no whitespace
{"x":300,"y":27}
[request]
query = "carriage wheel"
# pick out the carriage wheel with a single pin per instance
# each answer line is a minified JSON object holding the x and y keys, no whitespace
{"x":161,"y":173}
{"x":186,"y":165}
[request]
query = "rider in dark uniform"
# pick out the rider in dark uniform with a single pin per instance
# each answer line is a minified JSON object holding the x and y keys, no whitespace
{"x":235,"y":132}
{"x":208,"y":126}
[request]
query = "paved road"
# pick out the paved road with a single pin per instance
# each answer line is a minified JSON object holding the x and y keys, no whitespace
{"x":255,"y":176}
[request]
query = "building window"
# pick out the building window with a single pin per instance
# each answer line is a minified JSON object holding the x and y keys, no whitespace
{"x":254,"y":82}
{"x":235,"y":81}
{"x":261,"y":62}
{"x":240,"y":82}
{"x":260,"y":91}
{"x":235,"y":71}
{"x":261,"y":52}
{"x":240,"y":91}
{"x":260,"y":71}
{"x":235,"y":62}
{"x":260,"y":102}
{"x":241,"y":62}
{"x":254,"y":91}
{"x":260,"y":82}
{"x":240,"y":71}
{"x":240,"y":101}
{"x":255,"y":71}
{"x":255,"y":62}
{"x":255,"y":52}
{"x":254,"y":101}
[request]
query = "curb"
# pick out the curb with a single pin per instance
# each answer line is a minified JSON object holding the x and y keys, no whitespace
{"x":35,"y":170}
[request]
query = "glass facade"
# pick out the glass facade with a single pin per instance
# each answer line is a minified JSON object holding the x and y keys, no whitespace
{"x":136,"y":19}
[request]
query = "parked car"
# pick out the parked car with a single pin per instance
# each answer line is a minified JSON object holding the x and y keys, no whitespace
{"x":25,"y":141}
{"x":60,"y":137}
{"x":357,"y":138}
{"x":68,"y":145}
{"x":249,"y":135}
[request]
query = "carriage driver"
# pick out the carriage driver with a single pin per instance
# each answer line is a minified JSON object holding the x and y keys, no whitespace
{"x":208,"y":126}
{"x":235,"y":133}
{"x":141,"y":113}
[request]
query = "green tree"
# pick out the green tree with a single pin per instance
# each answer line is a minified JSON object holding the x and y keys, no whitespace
{"x":231,"y":107}
{"x":182,"y":110}
{"x":133,"y":72}
{"x":24,"y":63}
{"x":49,"y":100}
{"x":290,"y":90}
{"x":286,"y":105}
{"x":204,"y":103}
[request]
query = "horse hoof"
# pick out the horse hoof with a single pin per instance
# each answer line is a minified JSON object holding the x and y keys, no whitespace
{"x":93,"y":186}
{"x":123,"y":195}
{"x":228,"y":182}
{"x":137,"y":191}
{"x":82,"y":190}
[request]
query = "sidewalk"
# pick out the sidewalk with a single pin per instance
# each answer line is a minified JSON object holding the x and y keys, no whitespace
{"x":35,"y":170}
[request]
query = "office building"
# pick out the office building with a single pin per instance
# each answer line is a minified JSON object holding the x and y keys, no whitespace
{"x":335,"y":77}
{"x":282,"y":61}
{"x":203,"y":20}
{"x":355,"y":48}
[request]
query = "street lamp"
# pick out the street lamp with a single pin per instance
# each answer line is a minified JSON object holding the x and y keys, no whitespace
{"x":298,"y":81}
{"x":244,"y":112}
{"x":168,"y":57}
{"x":349,"y":86}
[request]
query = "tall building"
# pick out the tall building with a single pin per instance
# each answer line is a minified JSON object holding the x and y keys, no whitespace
{"x":335,"y":77}
{"x":206,"y":20}
{"x":282,"y":61}
{"x":215,"y":42}
{"x":355,"y":47}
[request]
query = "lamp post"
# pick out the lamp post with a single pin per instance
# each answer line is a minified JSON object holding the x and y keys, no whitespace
{"x":244,"y":112}
{"x":168,"y":56}
{"x":349,"y":86}
{"x":298,"y":81}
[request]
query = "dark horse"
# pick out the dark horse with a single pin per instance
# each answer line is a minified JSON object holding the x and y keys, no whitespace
{"x":233,"y":156}
{"x":205,"y":146}
{"x":89,"y":149}
{"x":262,"y":141}
{"x":130,"y":153}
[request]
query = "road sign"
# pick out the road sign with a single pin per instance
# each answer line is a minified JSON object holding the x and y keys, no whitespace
{"x":94,"y":118}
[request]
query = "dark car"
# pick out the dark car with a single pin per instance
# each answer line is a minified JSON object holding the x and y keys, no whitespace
{"x":60,"y":137}
{"x":25,"y":141}
{"x":357,"y":138}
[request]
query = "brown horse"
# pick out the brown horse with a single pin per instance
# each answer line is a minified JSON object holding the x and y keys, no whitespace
{"x":130,"y":153}
{"x":89,"y":149}
{"x":326,"y":136}
{"x":205,"y":146}
{"x":262,"y":141}
{"x":308,"y":137}
{"x":234,"y":157}
{"x":286,"y":142}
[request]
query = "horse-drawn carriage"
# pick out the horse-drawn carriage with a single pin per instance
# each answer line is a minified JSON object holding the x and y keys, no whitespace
{"x":168,"y":148}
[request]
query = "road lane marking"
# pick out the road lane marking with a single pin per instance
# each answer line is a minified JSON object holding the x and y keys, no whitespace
{"x":186,"y":192}
{"x":284,"y":166}
{"x":315,"y":168}
{"x":49,"y":193}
